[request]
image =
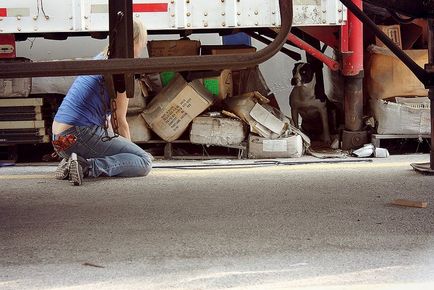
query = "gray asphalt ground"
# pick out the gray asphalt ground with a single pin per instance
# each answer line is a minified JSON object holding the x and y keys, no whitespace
{"x":303,"y":226}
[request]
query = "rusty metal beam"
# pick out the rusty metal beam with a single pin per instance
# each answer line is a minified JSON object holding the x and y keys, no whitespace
{"x":148,"y":65}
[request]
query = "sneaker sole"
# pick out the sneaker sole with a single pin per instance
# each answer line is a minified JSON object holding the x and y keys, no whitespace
{"x":75,"y":171}
{"x":62,"y":171}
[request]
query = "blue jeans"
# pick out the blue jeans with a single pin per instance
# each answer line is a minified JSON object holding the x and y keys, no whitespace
{"x":117,"y":157}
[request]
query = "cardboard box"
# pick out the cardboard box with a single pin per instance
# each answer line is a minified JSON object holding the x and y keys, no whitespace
{"x":173,"y":109}
{"x":290,"y":147}
{"x":393,"y":32}
{"x":137,"y":104}
{"x":226,"y":49}
{"x":161,"y":80}
{"x":250,"y":80}
{"x":393,"y":118}
{"x":246,"y":80}
{"x":388,"y":77}
{"x":159,"y":48}
{"x":218,"y":83}
{"x":10,"y":88}
{"x":217,"y":131}
{"x":222,"y":86}
{"x":263,"y":120}
{"x":139,"y":130}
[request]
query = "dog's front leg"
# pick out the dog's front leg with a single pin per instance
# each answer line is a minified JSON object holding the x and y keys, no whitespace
{"x":325,"y":125}
{"x":294,"y":116}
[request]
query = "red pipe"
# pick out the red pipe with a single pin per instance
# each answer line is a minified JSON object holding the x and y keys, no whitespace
{"x":353,"y":61}
{"x":331,"y":63}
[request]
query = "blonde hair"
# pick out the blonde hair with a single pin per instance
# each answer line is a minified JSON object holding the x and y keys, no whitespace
{"x":140,"y":35}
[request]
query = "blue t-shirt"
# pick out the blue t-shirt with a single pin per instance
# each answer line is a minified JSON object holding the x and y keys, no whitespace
{"x":83,"y":105}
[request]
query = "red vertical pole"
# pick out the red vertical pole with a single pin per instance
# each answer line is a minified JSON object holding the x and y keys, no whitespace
{"x":352,"y":69}
{"x":353,"y":62}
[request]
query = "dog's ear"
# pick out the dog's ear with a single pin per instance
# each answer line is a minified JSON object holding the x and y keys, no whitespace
{"x":294,"y":70}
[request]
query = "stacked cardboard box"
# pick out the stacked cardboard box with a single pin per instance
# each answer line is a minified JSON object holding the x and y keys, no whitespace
{"x":236,"y":102}
{"x":387,"y":79}
{"x":218,"y":131}
{"x":139,"y":130}
{"x":172,"y":110}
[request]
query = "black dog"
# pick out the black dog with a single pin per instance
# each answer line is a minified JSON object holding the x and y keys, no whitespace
{"x":306,"y":101}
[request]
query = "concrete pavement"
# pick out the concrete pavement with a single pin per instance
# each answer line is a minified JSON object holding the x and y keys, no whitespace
{"x":306,"y":226}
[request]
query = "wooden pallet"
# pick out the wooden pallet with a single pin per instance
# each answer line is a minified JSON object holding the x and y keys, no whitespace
{"x":376,"y":138}
{"x":168,"y":149}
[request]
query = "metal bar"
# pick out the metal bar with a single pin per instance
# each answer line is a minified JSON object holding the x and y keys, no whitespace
{"x":430,"y":67}
{"x":353,"y":61}
{"x":420,"y":73}
{"x":121,"y":41}
{"x":414,"y":8}
{"x":352,"y":70}
{"x":292,"y":54}
{"x":192,"y":63}
{"x":331,"y":63}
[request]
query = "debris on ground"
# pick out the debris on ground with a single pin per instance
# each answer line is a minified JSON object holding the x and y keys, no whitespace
{"x":410,"y":203}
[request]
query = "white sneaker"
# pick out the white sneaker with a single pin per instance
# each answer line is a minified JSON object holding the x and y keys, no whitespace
{"x":75,"y":171}
{"x":62,"y":171}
